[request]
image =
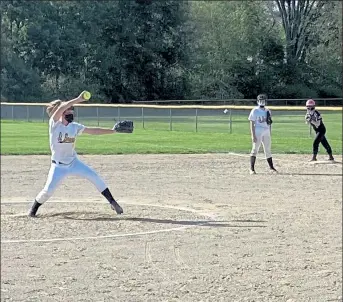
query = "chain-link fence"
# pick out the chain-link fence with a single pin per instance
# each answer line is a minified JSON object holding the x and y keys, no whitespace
{"x":173,"y":118}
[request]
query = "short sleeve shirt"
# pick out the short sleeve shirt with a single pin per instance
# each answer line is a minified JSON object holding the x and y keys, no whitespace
{"x":62,"y":140}
{"x":259,"y":116}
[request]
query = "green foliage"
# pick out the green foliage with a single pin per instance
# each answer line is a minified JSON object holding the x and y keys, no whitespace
{"x":18,"y":80}
{"x":149,"y":50}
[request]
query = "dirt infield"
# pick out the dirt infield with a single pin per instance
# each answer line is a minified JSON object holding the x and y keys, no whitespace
{"x":195,"y":228}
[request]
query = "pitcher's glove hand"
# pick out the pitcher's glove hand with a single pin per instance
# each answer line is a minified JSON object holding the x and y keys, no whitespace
{"x":269,"y":118}
{"x":123,"y":126}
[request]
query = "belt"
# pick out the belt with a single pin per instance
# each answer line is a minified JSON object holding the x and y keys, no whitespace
{"x":54,"y":162}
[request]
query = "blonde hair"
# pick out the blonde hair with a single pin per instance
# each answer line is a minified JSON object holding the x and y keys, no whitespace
{"x":52,"y":107}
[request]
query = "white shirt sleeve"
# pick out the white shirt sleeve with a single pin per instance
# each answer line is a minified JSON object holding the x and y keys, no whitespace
{"x":79,"y":128}
{"x":252,"y":116}
{"x":52,"y":123}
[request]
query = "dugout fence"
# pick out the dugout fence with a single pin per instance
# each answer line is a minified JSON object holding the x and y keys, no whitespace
{"x":196,"y":118}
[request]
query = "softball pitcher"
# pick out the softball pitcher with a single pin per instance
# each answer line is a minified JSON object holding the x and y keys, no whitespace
{"x":314,"y":118}
{"x":64,"y":160}
{"x":260,"y":127}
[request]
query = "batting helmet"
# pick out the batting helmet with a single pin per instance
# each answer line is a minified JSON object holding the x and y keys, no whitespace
{"x":310,"y":103}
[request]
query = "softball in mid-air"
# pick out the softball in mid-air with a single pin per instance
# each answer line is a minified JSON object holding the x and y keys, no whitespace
{"x":86,"y":95}
{"x":226,"y":111}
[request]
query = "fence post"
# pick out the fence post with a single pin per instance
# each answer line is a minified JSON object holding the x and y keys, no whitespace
{"x":97,"y":115}
{"x":77,"y":113}
{"x":230,"y":120}
{"x":170,"y":120}
{"x":196,"y":119}
{"x":118,"y":114}
{"x":143,"y":117}
{"x":27,"y":113}
{"x":12,"y":113}
{"x":43,"y":114}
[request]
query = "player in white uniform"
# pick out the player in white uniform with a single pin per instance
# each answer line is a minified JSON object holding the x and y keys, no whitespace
{"x":260,"y":126}
{"x":64,"y":160}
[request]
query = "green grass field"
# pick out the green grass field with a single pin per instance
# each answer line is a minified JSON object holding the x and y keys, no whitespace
{"x":289,"y":135}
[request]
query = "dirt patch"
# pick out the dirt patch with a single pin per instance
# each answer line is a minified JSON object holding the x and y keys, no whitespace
{"x":212,"y":232}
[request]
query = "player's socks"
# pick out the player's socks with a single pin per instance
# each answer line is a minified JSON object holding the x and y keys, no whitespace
{"x":252,"y":163}
{"x":270,"y":163}
{"x":34,"y":209}
{"x":108,"y":195}
{"x":114,"y":205}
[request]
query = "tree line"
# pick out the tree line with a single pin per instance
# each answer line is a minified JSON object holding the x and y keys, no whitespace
{"x":141,"y":50}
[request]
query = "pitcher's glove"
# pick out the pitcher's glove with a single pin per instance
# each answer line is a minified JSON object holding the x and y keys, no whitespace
{"x":269,"y":118}
{"x":123,"y":126}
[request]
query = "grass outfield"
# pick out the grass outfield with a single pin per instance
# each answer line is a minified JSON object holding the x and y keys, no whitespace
{"x":289,"y":135}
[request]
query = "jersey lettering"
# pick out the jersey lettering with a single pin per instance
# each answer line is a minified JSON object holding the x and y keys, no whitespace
{"x":66,"y":139}
{"x":259,"y":117}
{"x":62,"y":140}
{"x":262,"y":119}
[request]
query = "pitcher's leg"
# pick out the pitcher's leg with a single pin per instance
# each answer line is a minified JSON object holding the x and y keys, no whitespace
{"x":55,"y":176}
{"x":82,"y":170}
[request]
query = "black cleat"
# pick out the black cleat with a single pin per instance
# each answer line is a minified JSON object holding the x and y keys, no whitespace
{"x":314,"y":158}
{"x":32,"y":213}
{"x":34,"y":209}
{"x":116,"y":207}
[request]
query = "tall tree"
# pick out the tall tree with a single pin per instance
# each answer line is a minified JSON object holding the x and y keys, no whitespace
{"x":324,"y":54}
{"x":19,"y":81}
{"x":228,"y":36}
{"x":147,"y":38}
{"x":297,"y":16}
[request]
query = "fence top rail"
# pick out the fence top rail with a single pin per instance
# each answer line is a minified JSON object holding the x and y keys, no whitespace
{"x":230,"y":100}
{"x":185,"y":101}
{"x":222,"y":107}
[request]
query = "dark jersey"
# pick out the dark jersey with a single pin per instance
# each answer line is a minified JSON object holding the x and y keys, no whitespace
{"x":316,"y":121}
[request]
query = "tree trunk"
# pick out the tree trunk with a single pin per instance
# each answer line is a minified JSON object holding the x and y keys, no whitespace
{"x":296,"y":16}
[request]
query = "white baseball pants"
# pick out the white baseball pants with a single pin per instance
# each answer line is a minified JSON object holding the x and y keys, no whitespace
{"x":58,"y":172}
{"x":262,"y":137}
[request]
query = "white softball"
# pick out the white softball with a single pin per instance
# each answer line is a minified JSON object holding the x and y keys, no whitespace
{"x":226,"y":111}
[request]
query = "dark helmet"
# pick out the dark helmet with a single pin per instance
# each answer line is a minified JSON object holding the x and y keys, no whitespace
{"x":262,"y":100}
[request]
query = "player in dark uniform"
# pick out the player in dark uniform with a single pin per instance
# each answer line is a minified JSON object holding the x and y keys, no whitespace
{"x":314,"y":118}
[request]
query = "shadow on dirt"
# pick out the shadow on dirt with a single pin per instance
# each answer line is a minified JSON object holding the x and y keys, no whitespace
{"x":204,"y":223}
